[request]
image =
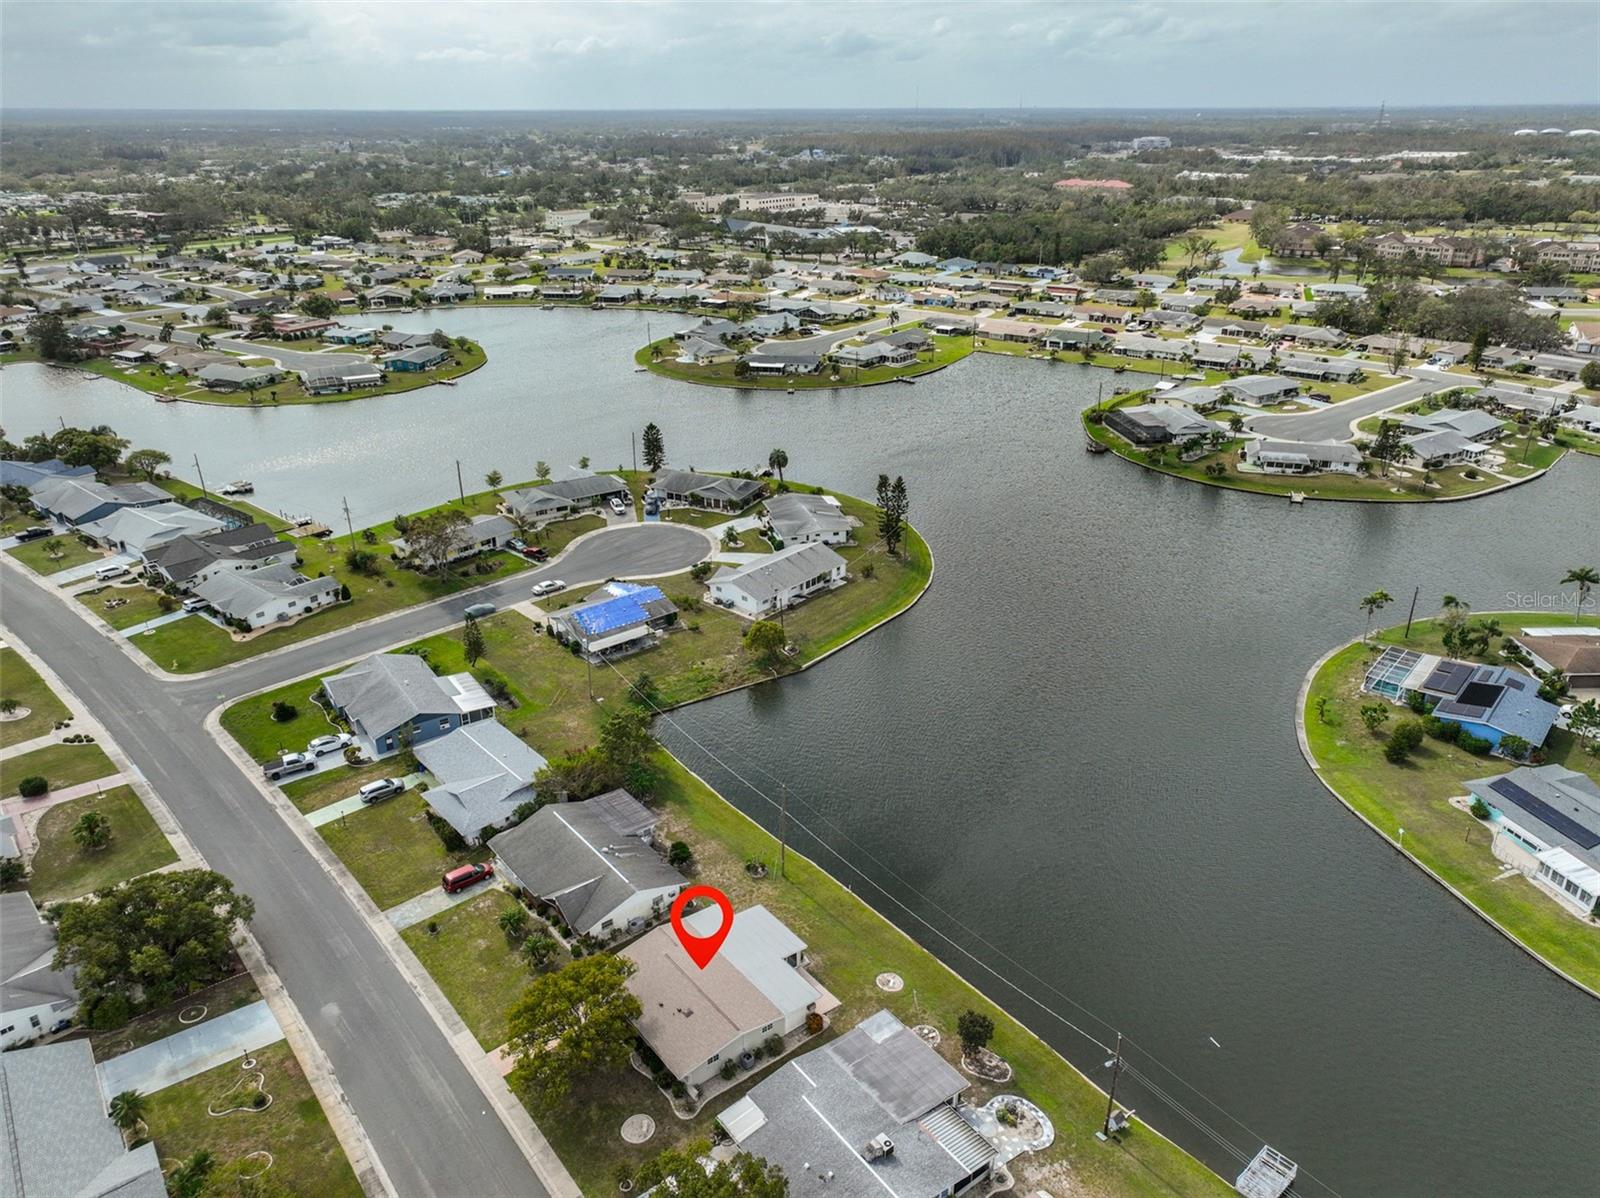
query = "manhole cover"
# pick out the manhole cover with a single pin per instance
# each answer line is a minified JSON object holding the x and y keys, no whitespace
{"x":890,"y":983}
{"x":636,"y":1129}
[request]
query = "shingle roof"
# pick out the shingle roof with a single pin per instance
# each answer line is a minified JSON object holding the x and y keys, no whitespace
{"x":564,"y":491}
{"x":1557,"y":794}
{"x":587,"y":857}
{"x":710,"y":486}
{"x":27,"y":945}
{"x":72,"y":498}
{"x":1472,"y":422}
{"x":60,"y":1144}
{"x":773,"y":573}
{"x":483,"y":773}
{"x":792,"y":515}
{"x":390,"y":689}
{"x":240,"y":594}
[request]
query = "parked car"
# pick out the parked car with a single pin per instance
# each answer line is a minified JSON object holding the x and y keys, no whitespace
{"x":194,"y":603}
{"x":332,"y":743}
{"x":517,"y":545}
{"x":109,"y":571}
{"x":289,"y":764}
{"x":383,"y":788}
{"x":617,"y":506}
{"x":548,"y":587}
{"x":537,"y":552}
{"x":1322,"y":395}
{"x":33,"y":534}
{"x":478,"y":610}
{"x":466,"y":875}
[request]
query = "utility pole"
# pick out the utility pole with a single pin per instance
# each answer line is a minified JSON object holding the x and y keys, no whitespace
{"x":1412,"y":612}
{"x":1111,"y":1094}
{"x":202,"y":475}
{"x":347,"y":522}
{"x":633,"y":445}
{"x":783,"y":834}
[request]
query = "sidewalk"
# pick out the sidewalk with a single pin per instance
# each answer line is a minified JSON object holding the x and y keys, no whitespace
{"x":192,"y":1051}
{"x":169,"y":618}
{"x":431,"y":903}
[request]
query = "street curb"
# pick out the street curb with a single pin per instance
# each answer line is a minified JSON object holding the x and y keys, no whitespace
{"x":1310,"y":759}
{"x":347,"y":1128}
{"x":541,"y":1157}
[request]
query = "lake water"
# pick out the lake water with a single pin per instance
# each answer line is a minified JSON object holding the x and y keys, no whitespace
{"x":1075,"y":759}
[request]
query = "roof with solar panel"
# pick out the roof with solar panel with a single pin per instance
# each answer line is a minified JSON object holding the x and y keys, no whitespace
{"x":1558,"y":806}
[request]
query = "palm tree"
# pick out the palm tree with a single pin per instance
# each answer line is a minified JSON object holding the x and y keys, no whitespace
{"x":127,"y":1110}
{"x":92,"y":831}
{"x":777,"y":460}
{"x":1373,"y":604}
{"x":1586,"y":578}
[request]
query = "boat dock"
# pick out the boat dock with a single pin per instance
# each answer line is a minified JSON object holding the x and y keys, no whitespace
{"x":1269,"y":1175}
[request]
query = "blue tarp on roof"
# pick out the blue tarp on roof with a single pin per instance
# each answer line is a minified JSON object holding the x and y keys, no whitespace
{"x":626,"y":608}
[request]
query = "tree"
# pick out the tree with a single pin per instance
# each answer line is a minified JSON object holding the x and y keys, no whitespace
{"x":92,"y":832}
{"x":127,"y":1109}
{"x":188,"y":1178}
{"x":626,"y":742}
{"x":571,"y":1023}
{"x":216,"y":315}
{"x":892,"y":506}
{"x":165,"y":335}
{"x":49,"y":335}
{"x":1389,"y":446}
{"x":433,"y":539}
{"x":156,"y":937}
{"x":147,"y":462}
{"x":513,"y":922}
{"x":778,"y":460}
{"x":764,"y":640}
{"x":1480,"y":342}
{"x":655,"y":448}
{"x":1589,"y":376}
{"x":679,"y":1172}
{"x":1373,"y":604}
{"x":55,"y":549}
{"x":1585,"y":578}
{"x":541,"y":470}
{"x":975,"y":1031}
{"x":1407,"y":735}
{"x":493,"y":480}
{"x":319,"y":305}
{"x":1373,"y":715}
{"x":472,"y":645}
{"x":679,"y":854}
{"x":538,"y":950}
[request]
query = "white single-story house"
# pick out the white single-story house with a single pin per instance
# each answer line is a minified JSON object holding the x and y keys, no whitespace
{"x":618,"y":618}
{"x":480,"y":534}
{"x":1301,"y":457}
{"x":1546,"y":823}
{"x":796,"y":519}
{"x":481,"y":774}
{"x":269,"y":595}
{"x":776,"y":581}
{"x":1260,"y":389}
{"x":34,"y":995}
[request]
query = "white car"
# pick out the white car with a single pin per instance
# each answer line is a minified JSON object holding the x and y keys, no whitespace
{"x":332,"y":743}
{"x":383,"y":788}
{"x":548,"y":587}
{"x":618,"y":506}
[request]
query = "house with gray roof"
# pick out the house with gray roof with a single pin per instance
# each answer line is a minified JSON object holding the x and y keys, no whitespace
{"x":757,"y":986}
{"x":1341,"y":370}
{"x":342,"y":372}
{"x":34,"y":475}
{"x":1536,"y":402}
{"x":480,"y":534}
{"x":1158,"y":424}
{"x":482,"y":772}
{"x":59,"y":1142}
{"x":777,"y":581}
{"x":1546,"y":822}
{"x":591,"y":864}
{"x":873,"y":353}
{"x":796,"y":519}
{"x":139,"y":529}
{"x":226,"y":376}
{"x":34,"y":995}
{"x":1260,"y":389}
{"x":268,"y":595}
{"x":392,"y":698}
{"x":1473,"y":423}
{"x":188,"y":560}
{"x":779,"y":361}
{"x":1301,"y":457}
{"x":566,"y":497}
{"x":1443,"y":447}
{"x":877,"y":1113}
{"x":81,"y":500}
{"x":713,"y":491}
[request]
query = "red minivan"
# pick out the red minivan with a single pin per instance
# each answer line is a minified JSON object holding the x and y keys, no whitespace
{"x":467,"y":875}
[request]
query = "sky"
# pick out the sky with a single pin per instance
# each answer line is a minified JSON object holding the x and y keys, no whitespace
{"x":675,"y":54}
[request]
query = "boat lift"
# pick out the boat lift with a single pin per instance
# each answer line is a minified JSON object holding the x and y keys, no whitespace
{"x":1269,"y":1175}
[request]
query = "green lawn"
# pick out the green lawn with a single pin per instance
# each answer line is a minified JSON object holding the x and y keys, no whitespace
{"x":251,"y":724}
{"x":945,"y":351}
{"x":61,"y":870}
{"x":36,"y":555}
{"x":19,"y":681}
{"x":330,"y":786}
{"x":1414,"y":796}
{"x":133,"y":604}
{"x":391,"y":849}
{"x":62,"y":765}
{"x":850,"y":945}
{"x":289,"y":391}
{"x":219,"y":999}
{"x":306,"y":1157}
{"x":478,"y":971}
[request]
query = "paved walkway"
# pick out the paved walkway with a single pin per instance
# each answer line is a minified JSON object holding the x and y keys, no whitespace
{"x":737,"y":559}
{"x":431,"y":903}
{"x":38,"y":742}
{"x":26,"y":812}
{"x":78,"y":573}
{"x":344,"y":807}
{"x":192,"y":1051}
{"x":170,"y":617}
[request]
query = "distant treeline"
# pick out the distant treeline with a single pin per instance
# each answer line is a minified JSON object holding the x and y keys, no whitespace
{"x":1065,"y":235}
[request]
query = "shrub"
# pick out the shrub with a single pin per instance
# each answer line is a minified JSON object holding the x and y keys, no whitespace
{"x":773,"y":1045}
{"x":701,"y":571}
{"x":362,"y":561}
{"x":679,"y":1090}
{"x":259,"y":1101}
{"x":1476,"y":745}
{"x":33,"y":786}
{"x":679,"y":854}
{"x":1441,"y":729}
{"x":975,"y":1031}
{"x":1513,"y":745}
{"x":166,"y":603}
{"x":813,"y":1023}
{"x":452,"y":840}
{"x":12,"y":872}
{"x":1418,"y":702}
{"x":729,"y":1070}
{"x":1408,"y":732}
{"x":1480,"y":809}
{"x":283,"y":711}
{"x":111,"y":1011}
{"x":868,"y":570}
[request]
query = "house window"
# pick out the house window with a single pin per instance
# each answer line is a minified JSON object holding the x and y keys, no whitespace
{"x":6,"y":1031}
{"x":768,"y":1028}
{"x":715,"y":1057}
{"x":444,"y":724}
{"x":33,"y":1020}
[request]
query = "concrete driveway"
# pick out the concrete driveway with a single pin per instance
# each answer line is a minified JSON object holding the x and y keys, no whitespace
{"x":192,"y":1051}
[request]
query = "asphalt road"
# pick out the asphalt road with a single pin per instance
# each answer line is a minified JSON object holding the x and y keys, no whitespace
{"x":428,"y":1121}
{"x":1335,"y":422}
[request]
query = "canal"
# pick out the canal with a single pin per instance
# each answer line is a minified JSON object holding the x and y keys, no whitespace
{"x":1073,"y":765}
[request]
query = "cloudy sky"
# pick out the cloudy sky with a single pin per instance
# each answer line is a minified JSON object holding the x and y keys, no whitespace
{"x":482,"y":54}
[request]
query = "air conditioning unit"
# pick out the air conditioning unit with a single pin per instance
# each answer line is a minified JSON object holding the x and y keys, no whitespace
{"x":878,"y":1147}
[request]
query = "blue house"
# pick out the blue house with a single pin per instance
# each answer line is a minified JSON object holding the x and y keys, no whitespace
{"x":1491,"y":702}
{"x":344,"y":336}
{"x":14,"y":473}
{"x":394,"y":699}
{"x":81,"y":500}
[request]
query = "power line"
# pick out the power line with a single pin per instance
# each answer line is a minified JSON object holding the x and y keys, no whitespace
{"x":1221,"y":1141}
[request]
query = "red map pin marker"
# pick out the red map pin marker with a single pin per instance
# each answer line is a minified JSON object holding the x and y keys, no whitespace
{"x":701,"y":948}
